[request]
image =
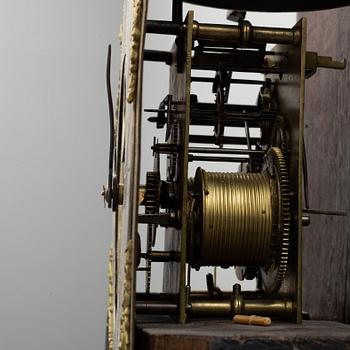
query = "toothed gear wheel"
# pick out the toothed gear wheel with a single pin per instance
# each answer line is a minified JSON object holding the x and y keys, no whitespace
{"x":273,"y":275}
{"x":173,"y":157}
{"x":152,"y":195}
{"x":279,"y":135}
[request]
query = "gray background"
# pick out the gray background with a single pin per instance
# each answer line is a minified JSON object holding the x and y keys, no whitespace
{"x":55,"y":233}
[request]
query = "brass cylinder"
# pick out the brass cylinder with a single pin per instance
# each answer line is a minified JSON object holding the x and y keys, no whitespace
{"x":245,"y":34}
{"x":226,"y":308}
{"x":277,"y":307}
{"x":220,"y":308}
{"x":232,"y":219}
{"x":211,"y":308}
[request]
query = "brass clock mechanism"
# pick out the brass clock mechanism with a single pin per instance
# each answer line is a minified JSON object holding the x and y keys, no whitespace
{"x":248,"y":213}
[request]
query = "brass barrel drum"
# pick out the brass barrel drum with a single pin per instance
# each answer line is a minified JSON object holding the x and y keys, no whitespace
{"x":243,"y":219}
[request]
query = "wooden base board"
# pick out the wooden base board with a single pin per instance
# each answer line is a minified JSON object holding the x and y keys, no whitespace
{"x":159,"y":333}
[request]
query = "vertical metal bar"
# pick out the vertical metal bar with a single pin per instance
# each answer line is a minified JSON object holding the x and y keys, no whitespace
{"x":291,"y":90}
{"x":247,"y":134}
{"x":303,"y":25}
{"x":188,"y":274}
{"x":134,"y":184}
{"x":305,"y":177}
{"x":188,"y":286}
{"x":185,"y":142}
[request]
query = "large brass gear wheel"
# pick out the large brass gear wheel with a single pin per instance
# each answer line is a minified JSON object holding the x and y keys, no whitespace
{"x":272,"y":276}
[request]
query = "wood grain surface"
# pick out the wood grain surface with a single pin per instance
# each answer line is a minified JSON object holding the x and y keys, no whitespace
{"x":223,"y":334}
{"x":326,"y":265}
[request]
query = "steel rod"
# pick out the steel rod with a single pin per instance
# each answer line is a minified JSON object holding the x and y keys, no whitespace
{"x":324,"y":212}
{"x":163,"y":27}
{"x":206,"y":64}
{"x":156,"y":308}
{"x":161,"y":256}
{"x":193,"y":158}
{"x":223,"y":150}
{"x":234,"y":116}
{"x":161,"y":219}
{"x":209,"y":121}
{"x":229,"y":140}
{"x":232,"y":81}
{"x":158,"y":56}
{"x":247,"y":135}
{"x":195,"y":295}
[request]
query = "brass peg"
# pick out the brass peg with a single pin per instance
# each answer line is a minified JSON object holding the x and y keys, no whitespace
{"x":252,"y":320}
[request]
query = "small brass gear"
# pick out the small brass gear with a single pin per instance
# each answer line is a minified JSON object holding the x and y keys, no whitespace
{"x":273,"y":275}
{"x":152,"y":195}
{"x":152,"y":203}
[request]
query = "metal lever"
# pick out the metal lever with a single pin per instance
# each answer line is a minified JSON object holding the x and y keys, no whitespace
{"x":314,"y":61}
{"x":324,"y":212}
{"x":107,"y":193}
{"x":328,"y":62}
